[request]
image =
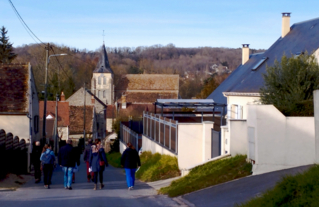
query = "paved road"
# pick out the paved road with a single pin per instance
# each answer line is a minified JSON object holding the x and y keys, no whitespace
{"x":115,"y":193}
{"x":238,"y":191}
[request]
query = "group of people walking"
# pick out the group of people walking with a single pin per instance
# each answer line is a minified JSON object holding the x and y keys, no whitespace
{"x":68,"y":159}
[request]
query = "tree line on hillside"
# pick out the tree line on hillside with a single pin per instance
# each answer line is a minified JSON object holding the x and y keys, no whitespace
{"x":200,"y":69}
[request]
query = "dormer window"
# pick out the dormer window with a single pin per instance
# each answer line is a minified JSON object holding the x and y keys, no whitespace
{"x":259,"y":63}
{"x":297,"y":54}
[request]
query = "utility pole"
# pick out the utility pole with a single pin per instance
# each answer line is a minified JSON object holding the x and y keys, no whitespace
{"x":84,"y":91}
{"x":45,"y":95}
{"x":56,"y":134}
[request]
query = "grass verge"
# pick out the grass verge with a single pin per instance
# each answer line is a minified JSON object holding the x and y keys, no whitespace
{"x":157,"y":167}
{"x":299,"y":190}
{"x":209,"y":174}
{"x":114,"y":159}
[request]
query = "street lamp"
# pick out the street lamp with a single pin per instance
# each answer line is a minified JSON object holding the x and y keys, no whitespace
{"x":47,"y":60}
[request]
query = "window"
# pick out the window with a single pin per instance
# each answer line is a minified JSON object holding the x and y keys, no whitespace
{"x":36,"y":124}
{"x":99,"y":80}
{"x":259,"y":63}
{"x":99,"y":94}
{"x":104,"y":94}
{"x":94,"y":86}
{"x":104,"y":80}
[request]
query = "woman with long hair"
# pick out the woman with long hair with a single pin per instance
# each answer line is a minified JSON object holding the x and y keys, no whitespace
{"x":98,"y":162}
{"x":47,"y":158}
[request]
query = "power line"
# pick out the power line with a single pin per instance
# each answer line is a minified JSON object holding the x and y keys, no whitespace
{"x":23,"y":22}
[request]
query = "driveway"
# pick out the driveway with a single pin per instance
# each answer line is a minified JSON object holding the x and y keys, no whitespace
{"x":239,"y":191}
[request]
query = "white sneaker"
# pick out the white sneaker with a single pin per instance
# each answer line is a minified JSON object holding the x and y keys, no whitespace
{"x":131,"y":187}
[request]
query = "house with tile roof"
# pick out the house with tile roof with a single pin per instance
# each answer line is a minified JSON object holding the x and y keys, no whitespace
{"x":19,"y":104}
{"x":242,"y":86}
{"x":138,"y":92}
{"x":63,"y":117}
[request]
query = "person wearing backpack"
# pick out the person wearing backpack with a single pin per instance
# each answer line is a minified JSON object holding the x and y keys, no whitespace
{"x":47,"y":158}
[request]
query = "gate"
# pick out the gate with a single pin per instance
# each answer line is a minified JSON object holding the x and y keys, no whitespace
{"x":216,"y":151}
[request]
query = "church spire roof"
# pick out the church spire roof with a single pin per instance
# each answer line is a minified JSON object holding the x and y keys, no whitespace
{"x":103,"y":65}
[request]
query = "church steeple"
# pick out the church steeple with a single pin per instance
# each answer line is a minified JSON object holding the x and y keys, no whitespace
{"x":103,"y":65}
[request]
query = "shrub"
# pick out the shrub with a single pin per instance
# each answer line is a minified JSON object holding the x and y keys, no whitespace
{"x":157,"y":167}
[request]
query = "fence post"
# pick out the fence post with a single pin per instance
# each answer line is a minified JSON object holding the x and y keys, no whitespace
{"x":176,"y":139}
{"x":170,"y":132}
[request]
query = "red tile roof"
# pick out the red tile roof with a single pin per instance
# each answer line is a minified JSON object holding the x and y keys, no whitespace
{"x":110,"y":112}
{"x":63,"y":112}
{"x":147,"y":97}
{"x":149,"y":82}
{"x":14,"y":85}
{"x":76,"y":119}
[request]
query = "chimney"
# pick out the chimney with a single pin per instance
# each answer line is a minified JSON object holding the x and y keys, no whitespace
{"x":92,"y":100}
{"x":285,"y":28}
{"x":123,"y":102}
{"x":245,"y":53}
{"x":62,"y":96}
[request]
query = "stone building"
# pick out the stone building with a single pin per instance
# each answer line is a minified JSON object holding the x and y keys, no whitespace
{"x":100,"y":97}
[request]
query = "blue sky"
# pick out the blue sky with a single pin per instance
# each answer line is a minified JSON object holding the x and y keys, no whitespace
{"x":132,"y":23}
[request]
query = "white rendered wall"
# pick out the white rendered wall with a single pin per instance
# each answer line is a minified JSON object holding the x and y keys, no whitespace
{"x":190,"y":145}
{"x":316,"y":110}
{"x":280,"y":142}
{"x":238,"y":137}
{"x":122,"y":147}
{"x":64,"y":132}
{"x":18,"y":125}
{"x":243,"y":101}
{"x":109,"y":123}
{"x":154,"y":147}
{"x":207,"y":140}
{"x":225,"y":136}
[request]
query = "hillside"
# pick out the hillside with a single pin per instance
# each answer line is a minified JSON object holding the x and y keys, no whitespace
{"x":194,"y":65}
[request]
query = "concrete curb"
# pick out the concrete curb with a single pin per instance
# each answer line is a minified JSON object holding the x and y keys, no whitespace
{"x":183,"y":202}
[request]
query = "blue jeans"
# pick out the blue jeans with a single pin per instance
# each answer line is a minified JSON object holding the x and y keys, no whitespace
{"x":68,"y":172}
{"x":130,"y":176}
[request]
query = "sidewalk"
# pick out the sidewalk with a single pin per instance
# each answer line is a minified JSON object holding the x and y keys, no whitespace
{"x":115,"y":192}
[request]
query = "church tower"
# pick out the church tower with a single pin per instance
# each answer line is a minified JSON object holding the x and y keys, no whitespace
{"x":102,"y":80}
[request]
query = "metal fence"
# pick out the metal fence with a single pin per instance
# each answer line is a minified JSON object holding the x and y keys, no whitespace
{"x":13,"y":154}
{"x":128,"y":135}
{"x":161,"y":130}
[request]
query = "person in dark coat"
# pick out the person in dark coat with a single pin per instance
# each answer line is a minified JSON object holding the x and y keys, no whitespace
{"x":130,"y":161}
{"x":86,"y":158}
{"x":67,"y":160}
{"x":77,"y":155}
{"x":98,"y":162}
{"x":36,"y":153}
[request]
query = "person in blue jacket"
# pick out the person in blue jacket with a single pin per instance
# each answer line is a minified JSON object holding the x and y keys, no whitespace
{"x":47,"y":158}
{"x":130,"y":161}
{"x":98,"y":162}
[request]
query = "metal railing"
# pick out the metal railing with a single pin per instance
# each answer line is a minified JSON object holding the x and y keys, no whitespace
{"x":161,"y":130}
{"x":128,"y":135}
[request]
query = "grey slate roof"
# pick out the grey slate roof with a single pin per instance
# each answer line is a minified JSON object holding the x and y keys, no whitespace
{"x":303,"y":36}
{"x":103,"y":65}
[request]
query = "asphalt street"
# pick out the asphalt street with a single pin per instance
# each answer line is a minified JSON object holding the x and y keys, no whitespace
{"x":115,"y":193}
{"x":239,"y":191}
